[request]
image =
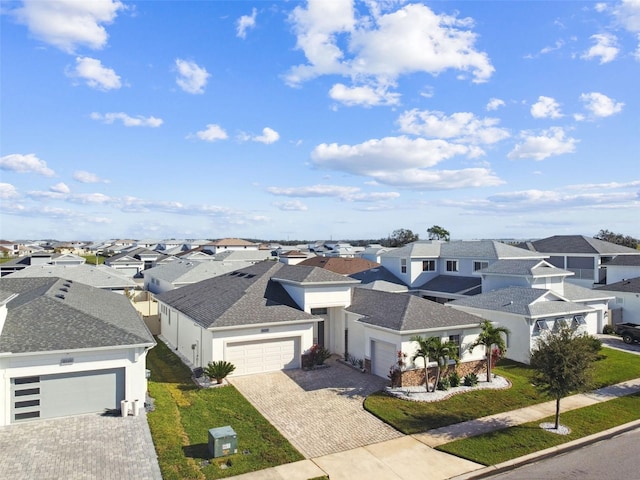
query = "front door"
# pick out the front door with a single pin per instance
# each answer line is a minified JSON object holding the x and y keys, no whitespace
{"x":321,"y":334}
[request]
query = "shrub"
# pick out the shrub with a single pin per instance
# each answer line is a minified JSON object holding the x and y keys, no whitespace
{"x":444,"y":384}
{"x":219,"y":370}
{"x":471,"y":380}
{"x":318,"y":354}
{"x":608,"y":329}
{"x":454,"y":379}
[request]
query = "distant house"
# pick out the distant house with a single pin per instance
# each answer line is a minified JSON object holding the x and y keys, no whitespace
{"x":230,"y":244}
{"x":40,"y":259}
{"x":293,"y":257}
{"x":67,"y":349}
{"x":622,"y":267}
{"x":341,"y":265}
{"x":586,"y":257}
{"x":134,"y":261}
{"x":184,"y":272}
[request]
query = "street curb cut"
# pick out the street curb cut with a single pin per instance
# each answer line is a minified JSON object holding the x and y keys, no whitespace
{"x":549,"y":452}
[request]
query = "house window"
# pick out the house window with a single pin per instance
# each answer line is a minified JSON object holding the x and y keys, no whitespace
{"x":541,"y":326}
{"x":578,"y":321}
{"x":403,"y":265}
{"x":428,"y":265}
{"x":452,"y":265}
{"x":559,"y":324}
{"x":479,"y":265}
{"x":319,"y":311}
{"x":456,"y":339}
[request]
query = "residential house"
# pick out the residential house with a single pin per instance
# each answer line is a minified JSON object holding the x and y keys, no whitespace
{"x":341,"y":265}
{"x":443,"y":271}
{"x":626,"y":306}
{"x":9,"y":249}
{"x":179,"y":273}
{"x":586,"y":257}
{"x":229,"y":244}
{"x":40,"y":258}
{"x":293,"y":257}
{"x":68,"y":349}
{"x":266,"y":316}
{"x":622,"y":267}
{"x":134,"y":261}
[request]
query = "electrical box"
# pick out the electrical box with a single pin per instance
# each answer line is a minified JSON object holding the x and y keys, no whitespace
{"x":223,"y":441}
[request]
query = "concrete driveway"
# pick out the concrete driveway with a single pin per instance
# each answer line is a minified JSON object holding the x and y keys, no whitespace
{"x":320,"y":411}
{"x":82,"y":447}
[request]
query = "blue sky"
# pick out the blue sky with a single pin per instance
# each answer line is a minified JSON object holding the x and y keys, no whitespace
{"x":321,"y":119}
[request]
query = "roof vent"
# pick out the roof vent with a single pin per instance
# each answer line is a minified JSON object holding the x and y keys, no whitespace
{"x":60,"y":296}
{"x":64,"y":289}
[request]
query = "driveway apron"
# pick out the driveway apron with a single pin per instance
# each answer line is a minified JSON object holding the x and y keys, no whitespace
{"x":319,"y":411}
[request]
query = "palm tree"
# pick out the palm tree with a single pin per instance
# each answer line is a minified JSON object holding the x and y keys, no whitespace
{"x":436,"y":349}
{"x":491,"y":336}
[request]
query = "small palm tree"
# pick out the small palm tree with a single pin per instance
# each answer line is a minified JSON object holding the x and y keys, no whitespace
{"x":491,"y":336}
{"x":219,"y":370}
{"x":425,"y":350}
{"x":443,"y":352}
{"x":434,"y":348}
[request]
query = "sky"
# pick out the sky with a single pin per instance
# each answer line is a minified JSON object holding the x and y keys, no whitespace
{"x":326,"y":119}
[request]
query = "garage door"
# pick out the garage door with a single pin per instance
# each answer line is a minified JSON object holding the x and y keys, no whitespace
{"x":383,"y":357}
{"x":264,"y":355}
{"x":60,"y":395}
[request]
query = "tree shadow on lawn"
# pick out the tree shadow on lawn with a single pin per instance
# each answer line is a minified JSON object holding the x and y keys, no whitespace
{"x":199,"y":451}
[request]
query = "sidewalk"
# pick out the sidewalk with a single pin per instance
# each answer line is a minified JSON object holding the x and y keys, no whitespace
{"x":402,"y":457}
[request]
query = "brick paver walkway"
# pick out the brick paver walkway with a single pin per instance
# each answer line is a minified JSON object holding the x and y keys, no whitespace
{"x":85,"y":447}
{"x":320,"y":411}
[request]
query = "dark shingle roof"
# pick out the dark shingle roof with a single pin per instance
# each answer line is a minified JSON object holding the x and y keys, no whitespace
{"x":244,"y":297}
{"x":453,"y":284}
{"x":625,"y":261}
{"x":55,"y":314}
{"x":307,"y":274}
{"x":578,"y":244}
{"x":524,"y":267}
{"x":379,"y":276}
{"x":405,"y":312}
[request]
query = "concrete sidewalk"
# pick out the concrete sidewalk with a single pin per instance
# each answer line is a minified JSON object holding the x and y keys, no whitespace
{"x":401,"y":458}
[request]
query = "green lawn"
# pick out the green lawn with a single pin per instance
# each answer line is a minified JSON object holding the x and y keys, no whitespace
{"x":414,"y":417}
{"x":184,"y":414}
{"x":502,"y":445}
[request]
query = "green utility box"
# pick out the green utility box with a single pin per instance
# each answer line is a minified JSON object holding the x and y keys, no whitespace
{"x":223,"y":441}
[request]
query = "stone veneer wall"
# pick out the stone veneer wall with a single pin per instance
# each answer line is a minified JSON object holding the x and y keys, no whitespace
{"x":414,"y":377}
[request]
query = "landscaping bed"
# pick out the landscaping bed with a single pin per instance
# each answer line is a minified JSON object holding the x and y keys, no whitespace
{"x":184,"y":413}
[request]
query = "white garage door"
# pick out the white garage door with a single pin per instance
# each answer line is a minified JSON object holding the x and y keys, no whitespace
{"x":383,"y":357}
{"x":50,"y":396}
{"x":264,"y":355}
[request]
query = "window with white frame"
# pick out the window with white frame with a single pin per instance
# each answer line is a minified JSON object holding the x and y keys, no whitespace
{"x":403,"y":265}
{"x":456,"y":339}
{"x":559,"y":324}
{"x":479,"y":265}
{"x":541,"y":326}
{"x":452,"y":265}
{"x":578,"y":321}
{"x":428,"y":265}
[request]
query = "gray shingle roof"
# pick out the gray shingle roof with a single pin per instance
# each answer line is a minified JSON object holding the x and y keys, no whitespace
{"x":405,"y":312}
{"x":520,"y":301}
{"x":379,"y":278}
{"x":99,"y":276}
{"x":489,"y":249}
{"x":52,"y":314}
{"x":536,"y":268}
{"x":453,"y":284}
{"x":625,"y":260}
{"x":308,"y":274}
{"x":578,"y":244}
{"x":247,"y":296}
{"x":577,"y":293}
{"x":189,"y":271}
{"x":631,"y":285}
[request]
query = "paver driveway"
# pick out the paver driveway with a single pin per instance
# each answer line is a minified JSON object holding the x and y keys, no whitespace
{"x":319,"y":411}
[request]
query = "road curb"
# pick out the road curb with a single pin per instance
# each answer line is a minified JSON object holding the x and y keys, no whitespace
{"x":549,"y":452}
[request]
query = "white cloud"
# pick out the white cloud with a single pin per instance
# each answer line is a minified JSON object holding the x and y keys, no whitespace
{"x":605,"y":48}
{"x":60,"y":188}
{"x":29,"y":163}
{"x":8,"y":191}
{"x":627,"y":14}
{"x":212,"y":133}
{"x":551,"y":142}
{"x":191,"y":77}
{"x":421,"y":179}
{"x":494,"y":104}
{"x":127,"y":121}
{"x":376,"y":49}
{"x":87,"y":177}
{"x":246,"y":22}
{"x":464,"y":127}
{"x":269,"y":135}
{"x":94,"y":74}
{"x":68,"y":24}
{"x":546,"y":107}
{"x":293,"y":206}
{"x":366,"y":96}
{"x":351,"y":194}
{"x":599,"y":105}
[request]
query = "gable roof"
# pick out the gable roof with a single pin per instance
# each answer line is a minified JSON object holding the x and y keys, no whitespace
{"x":243,"y":297}
{"x":577,"y":244}
{"x":343,"y":266}
{"x":528,"y":302}
{"x":403,"y":312}
{"x":379,"y":278}
{"x":534,"y":268}
{"x":304,"y":274}
{"x":51,"y":314}
{"x":99,"y":276}
{"x":232,"y":242}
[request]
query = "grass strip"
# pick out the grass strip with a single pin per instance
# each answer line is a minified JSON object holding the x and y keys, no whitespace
{"x":513,"y":442}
